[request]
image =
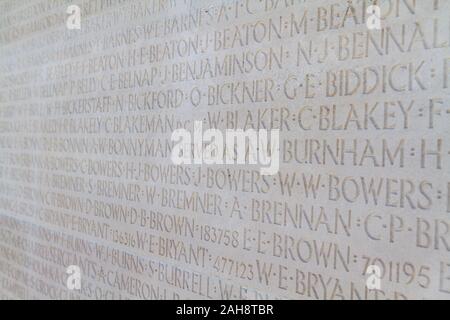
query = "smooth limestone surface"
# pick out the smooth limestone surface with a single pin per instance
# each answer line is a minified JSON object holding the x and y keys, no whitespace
{"x":94,"y":206}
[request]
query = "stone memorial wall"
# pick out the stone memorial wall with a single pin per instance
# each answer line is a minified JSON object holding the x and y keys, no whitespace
{"x":349,"y":102}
